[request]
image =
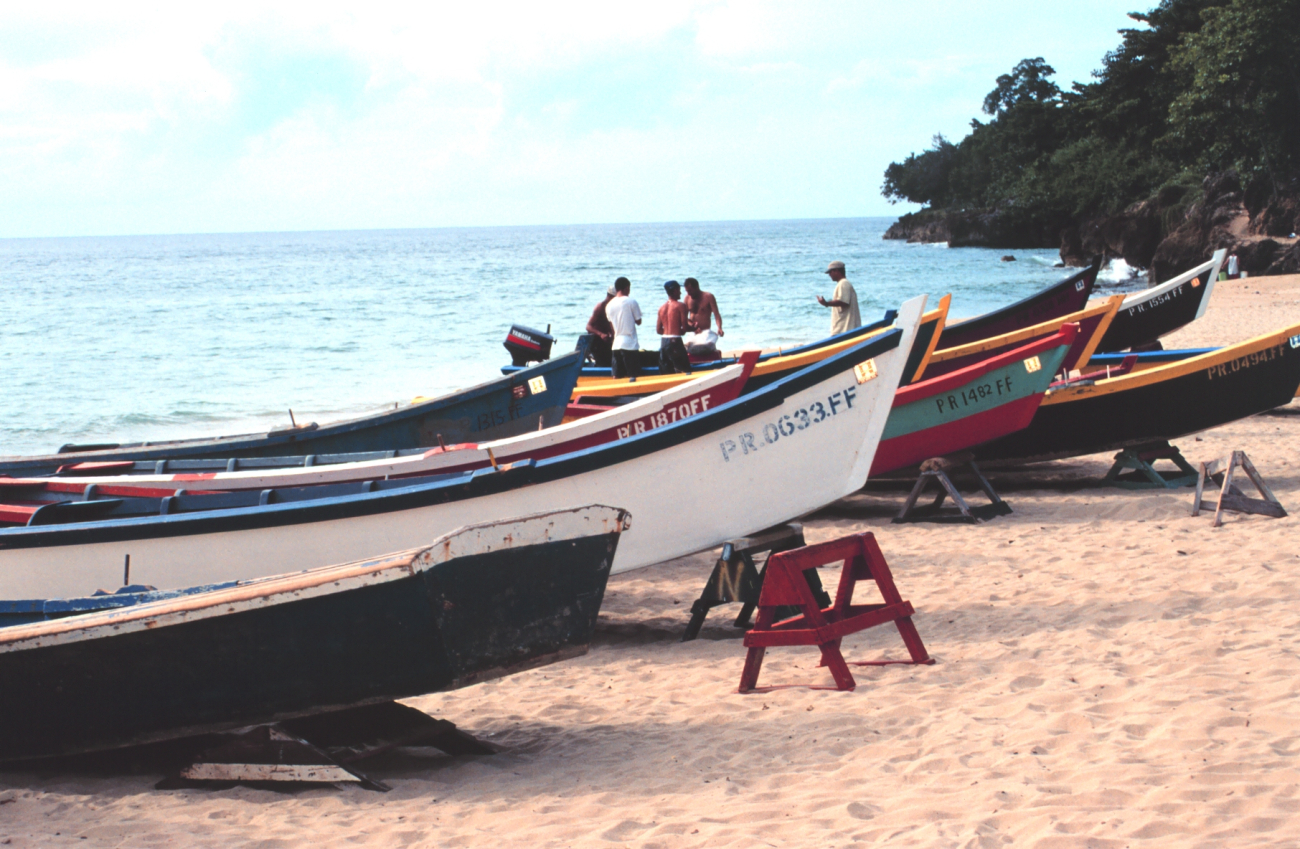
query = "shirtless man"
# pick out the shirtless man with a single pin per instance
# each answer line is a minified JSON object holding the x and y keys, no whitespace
{"x":599,"y":326}
{"x":670,"y":326}
{"x":701,"y":308}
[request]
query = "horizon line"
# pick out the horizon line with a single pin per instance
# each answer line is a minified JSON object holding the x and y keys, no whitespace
{"x":452,"y":227}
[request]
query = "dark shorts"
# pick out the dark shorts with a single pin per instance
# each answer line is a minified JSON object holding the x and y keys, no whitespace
{"x":626,"y":364}
{"x":672,"y":356}
{"x":599,"y":351}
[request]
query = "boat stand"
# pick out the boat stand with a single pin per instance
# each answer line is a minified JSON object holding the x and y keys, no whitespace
{"x":321,"y":749}
{"x":825,"y":625}
{"x":1230,"y":497}
{"x":937,"y":469}
{"x":736,"y":578}
{"x":1142,"y":473}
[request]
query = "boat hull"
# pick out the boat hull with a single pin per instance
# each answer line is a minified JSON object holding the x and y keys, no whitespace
{"x":393,"y":628}
{"x":710,"y":390}
{"x":1146,"y":316}
{"x":763,"y":459}
{"x":1093,"y":322}
{"x":503,"y":407}
{"x":1158,"y":404}
{"x":1070,"y":295}
{"x":962,"y":410}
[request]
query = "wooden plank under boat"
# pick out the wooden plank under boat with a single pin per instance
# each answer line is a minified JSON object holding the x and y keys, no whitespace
{"x":1092,"y":320}
{"x":981,"y":402}
{"x":765,"y":458}
{"x":163,"y":478}
{"x":768,"y":370}
{"x":1056,"y":301}
{"x":1147,"y":315}
{"x":1161,"y":403}
{"x":479,"y":602}
{"x":502,"y":407}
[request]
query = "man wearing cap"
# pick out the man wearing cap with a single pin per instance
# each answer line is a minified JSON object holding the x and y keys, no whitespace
{"x":599,"y":327}
{"x":843,"y":302}
{"x":624,"y":315}
{"x":670,"y":326}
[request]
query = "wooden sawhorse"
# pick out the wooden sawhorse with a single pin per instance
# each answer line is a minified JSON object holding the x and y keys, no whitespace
{"x":936,"y":468}
{"x":736,"y":577}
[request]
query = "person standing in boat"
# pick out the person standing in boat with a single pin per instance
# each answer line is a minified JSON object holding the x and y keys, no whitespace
{"x":843,"y":302}
{"x":701,"y":309}
{"x":600,"y":328}
{"x":624,"y":315}
{"x":670,"y":327}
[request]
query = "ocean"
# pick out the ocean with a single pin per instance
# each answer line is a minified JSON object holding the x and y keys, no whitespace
{"x":159,"y":337}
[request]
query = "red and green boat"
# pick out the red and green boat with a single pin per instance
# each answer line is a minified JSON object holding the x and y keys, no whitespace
{"x":973,"y":405}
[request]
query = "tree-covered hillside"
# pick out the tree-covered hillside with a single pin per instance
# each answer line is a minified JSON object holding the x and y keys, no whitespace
{"x":1205,"y":87}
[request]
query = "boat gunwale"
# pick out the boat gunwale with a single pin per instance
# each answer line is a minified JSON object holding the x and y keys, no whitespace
{"x":474,"y":484}
{"x":292,"y":586}
{"x":946,"y":382}
{"x":1110,"y":304}
{"x":1175,"y":369}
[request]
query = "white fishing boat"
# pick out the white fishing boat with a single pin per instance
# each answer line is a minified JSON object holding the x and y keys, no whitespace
{"x":768,"y":457}
{"x":711,"y":389}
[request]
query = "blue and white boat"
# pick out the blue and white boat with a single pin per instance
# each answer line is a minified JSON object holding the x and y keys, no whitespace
{"x":527,"y":400}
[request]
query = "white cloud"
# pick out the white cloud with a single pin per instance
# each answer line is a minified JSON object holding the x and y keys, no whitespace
{"x":148,"y":119}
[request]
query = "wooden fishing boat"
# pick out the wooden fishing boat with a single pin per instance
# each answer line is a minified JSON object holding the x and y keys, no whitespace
{"x":615,"y":390}
{"x":479,"y":602}
{"x":1093,"y":320}
{"x":972,"y":405}
{"x":165,"y":477}
{"x":1056,"y":301}
{"x":765,"y":458}
{"x":1146,"y":316}
{"x":506,"y":406}
{"x":1161,"y":403}
{"x":652,"y":370}
{"x":928,"y":333}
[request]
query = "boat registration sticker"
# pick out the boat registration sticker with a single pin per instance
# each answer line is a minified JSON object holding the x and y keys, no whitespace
{"x":865,"y":371}
{"x":1295,"y":341}
{"x":1033,"y":364}
{"x":1078,"y":287}
{"x":537,"y":385}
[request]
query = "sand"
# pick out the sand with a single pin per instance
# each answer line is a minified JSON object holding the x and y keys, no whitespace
{"x":1111,"y":672}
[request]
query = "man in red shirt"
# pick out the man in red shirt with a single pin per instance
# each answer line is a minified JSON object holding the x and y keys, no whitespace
{"x":670,"y":326}
{"x":600,"y":327}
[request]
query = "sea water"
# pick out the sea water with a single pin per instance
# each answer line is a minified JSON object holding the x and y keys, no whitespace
{"x":158,"y":337}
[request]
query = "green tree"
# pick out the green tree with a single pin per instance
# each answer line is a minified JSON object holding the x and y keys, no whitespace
{"x":1240,"y":106}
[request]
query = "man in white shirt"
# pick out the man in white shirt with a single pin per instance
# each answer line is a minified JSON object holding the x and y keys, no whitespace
{"x":843,"y":302}
{"x":624,"y":314}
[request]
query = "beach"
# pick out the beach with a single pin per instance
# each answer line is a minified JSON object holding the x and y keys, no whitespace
{"x":1110,"y":671}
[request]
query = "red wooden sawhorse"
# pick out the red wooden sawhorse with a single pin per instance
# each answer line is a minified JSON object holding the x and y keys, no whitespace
{"x":825,"y":628}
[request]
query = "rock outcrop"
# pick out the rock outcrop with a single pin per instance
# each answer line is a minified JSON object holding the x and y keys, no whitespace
{"x":1257,"y":229}
{"x":976,"y":229}
{"x":1167,"y":233}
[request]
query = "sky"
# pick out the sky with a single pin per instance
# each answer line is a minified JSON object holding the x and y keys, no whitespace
{"x":120,"y":118}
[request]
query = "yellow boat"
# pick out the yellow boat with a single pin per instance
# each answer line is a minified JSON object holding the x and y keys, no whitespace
{"x":774,"y":368}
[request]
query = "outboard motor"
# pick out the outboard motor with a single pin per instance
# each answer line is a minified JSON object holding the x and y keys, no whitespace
{"x":527,"y":345}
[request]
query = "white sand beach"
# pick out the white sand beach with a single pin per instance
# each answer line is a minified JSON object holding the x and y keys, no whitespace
{"x":1110,"y":672}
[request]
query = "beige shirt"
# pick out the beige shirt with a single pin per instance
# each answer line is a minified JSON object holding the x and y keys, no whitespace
{"x":845,"y":318}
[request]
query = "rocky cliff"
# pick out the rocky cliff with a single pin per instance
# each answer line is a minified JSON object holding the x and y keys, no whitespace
{"x":1177,"y":228}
